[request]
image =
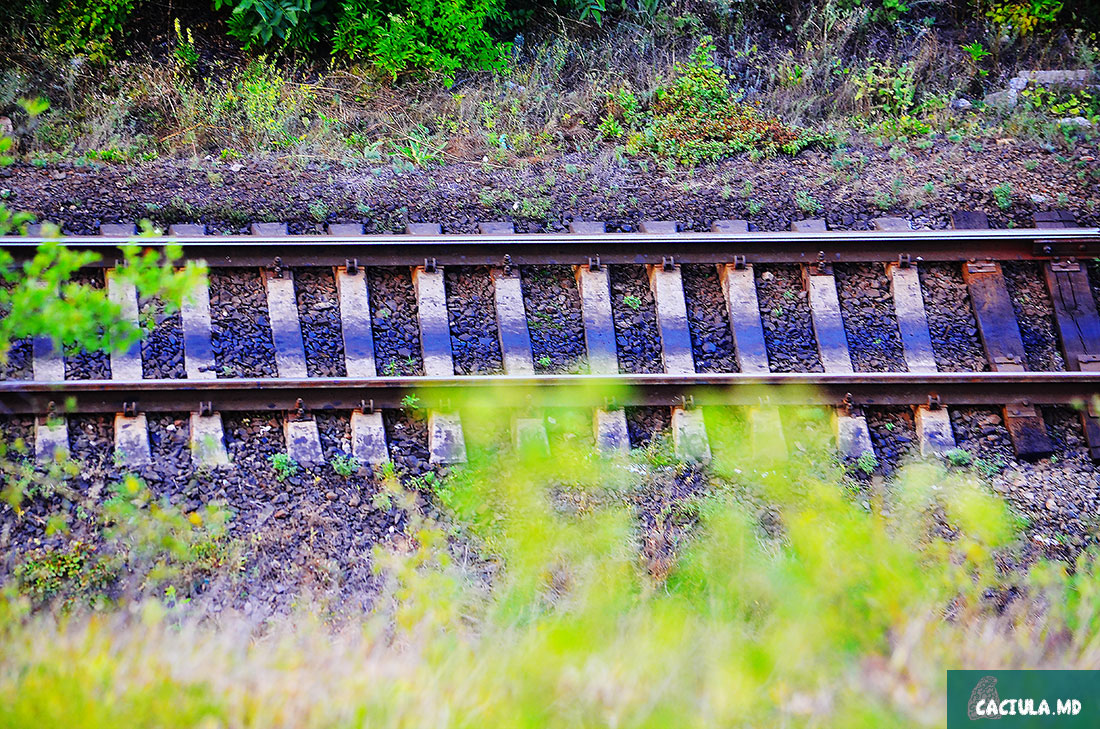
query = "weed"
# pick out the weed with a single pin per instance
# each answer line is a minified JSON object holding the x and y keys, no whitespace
{"x":284,"y":465}
{"x":410,"y":402}
{"x":1002,"y":194}
{"x":806,"y":202}
{"x":632,"y":302}
{"x":867,"y":462}
{"x":345,"y":465}
{"x":958,"y":457}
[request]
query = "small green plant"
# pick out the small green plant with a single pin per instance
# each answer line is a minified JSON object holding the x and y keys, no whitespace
{"x":632,"y":302}
{"x":410,"y":402}
{"x":806,"y":202}
{"x":284,"y":465}
{"x":419,"y":148}
{"x":958,"y":457}
{"x":867,"y":462}
{"x":1002,"y":194}
{"x":318,"y":210}
{"x":345,"y":465}
{"x":544,"y":361}
{"x":229,"y":154}
{"x":977,"y":53}
{"x":754,"y":207}
{"x":184,"y":50}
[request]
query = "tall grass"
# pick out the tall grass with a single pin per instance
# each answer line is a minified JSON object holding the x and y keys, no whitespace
{"x":787,"y":600}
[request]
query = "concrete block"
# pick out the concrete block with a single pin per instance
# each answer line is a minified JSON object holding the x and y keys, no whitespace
{"x":832,"y":341}
{"x":187,"y":230}
{"x":668,"y":294}
{"x":934,"y":431}
{"x":729,"y":226}
{"x":125,"y":365}
{"x":345,"y":229}
{"x":286,"y":329}
{"x":368,"y":438}
{"x":530,"y":433}
{"x":587,"y":227}
{"x":658,"y":227}
{"x":766,"y":433}
{"x":303,"y":442}
{"x":198,"y":349}
{"x":435,"y":330}
{"x":912,"y":318}
{"x":739,"y":289}
{"x":515,"y":338}
{"x":355,"y":322}
{"x":892,"y":225}
{"x":51,"y":439}
{"x":496,"y":228}
{"x":689,"y":435}
{"x":446,"y":443}
{"x":810,"y":225}
{"x":599,"y":326}
{"x":208,"y":440}
{"x":424,"y":229}
{"x":611,"y":433}
{"x":853,"y":437}
{"x":132,"y":440}
{"x":269,"y":230}
{"x":118,"y":230}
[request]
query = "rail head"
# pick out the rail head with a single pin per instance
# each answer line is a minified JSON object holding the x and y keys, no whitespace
{"x":578,"y":249}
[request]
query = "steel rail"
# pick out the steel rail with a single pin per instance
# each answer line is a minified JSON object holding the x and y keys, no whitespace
{"x":568,"y":249}
{"x":947,"y":388}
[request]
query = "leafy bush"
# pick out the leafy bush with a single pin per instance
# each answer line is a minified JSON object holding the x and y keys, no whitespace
{"x":263,"y":22}
{"x":441,"y":36}
{"x":1025,"y":16}
{"x":697,"y":119}
{"x":1062,"y":102}
{"x":88,"y":27}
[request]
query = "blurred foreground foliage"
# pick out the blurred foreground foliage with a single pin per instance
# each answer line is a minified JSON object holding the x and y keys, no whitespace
{"x":775,"y":596}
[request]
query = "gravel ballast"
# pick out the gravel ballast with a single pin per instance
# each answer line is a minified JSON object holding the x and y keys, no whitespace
{"x":637,"y":336}
{"x":788,"y":324}
{"x":708,"y":319}
{"x":319,"y":314}
{"x":82,"y":364}
{"x":241,"y":328}
{"x":471,"y":309}
{"x":870,"y":321}
{"x":395,"y":323}
{"x":553,"y":305}
{"x":951,"y":322}
{"x":162,"y":346}
{"x":1034,"y":314}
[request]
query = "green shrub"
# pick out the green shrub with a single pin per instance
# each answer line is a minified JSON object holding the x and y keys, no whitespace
{"x":88,"y":27}
{"x":441,"y":36}
{"x":1025,"y":16}
{"x":697,"y":119}
{"x":264,"y":22}
{"x":885,"y":89}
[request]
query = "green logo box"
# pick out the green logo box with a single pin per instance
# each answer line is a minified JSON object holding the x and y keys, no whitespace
{"x":1023,"y":699}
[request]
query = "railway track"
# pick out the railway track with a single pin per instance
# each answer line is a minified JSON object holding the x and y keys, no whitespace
{"x":358,"y":325}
